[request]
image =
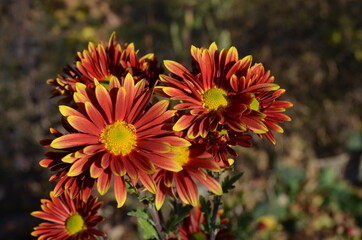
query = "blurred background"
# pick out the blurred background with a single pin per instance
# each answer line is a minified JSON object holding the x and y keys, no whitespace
{"x":307,"y":186}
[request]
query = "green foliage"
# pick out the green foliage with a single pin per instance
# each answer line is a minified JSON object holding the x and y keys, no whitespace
{"x":180,"y":212}
{"x":145,"y":223}
{"x":207,"y":210}
{"x":228,"y":182}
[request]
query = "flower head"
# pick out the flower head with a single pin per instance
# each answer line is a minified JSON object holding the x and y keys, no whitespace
{"x":68,"y":218}
{"x":101,"y":63}
{"x":115,"y":134}
{"x":194,"y":160}
{"x":224,"y":96}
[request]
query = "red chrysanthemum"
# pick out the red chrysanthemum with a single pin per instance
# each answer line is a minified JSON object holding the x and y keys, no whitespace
{"x":193,"y":160}
{"x":101,"y":63}
{"x":223,"y":91}
{"x":114,"y":134}
{"x":68,"y":219}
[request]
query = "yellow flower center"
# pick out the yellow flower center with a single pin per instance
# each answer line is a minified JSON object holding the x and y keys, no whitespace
{"x":75,"y":224}
{"x":182,"y":156}
{"x":214,"y":99}
{"x":119,"y":138}
{"x":254,"y":105}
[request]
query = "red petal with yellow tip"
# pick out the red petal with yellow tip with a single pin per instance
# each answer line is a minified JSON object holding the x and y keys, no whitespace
{"x":184,"y":122}
{"x":148,"y":182}
{"x":175,"y":67}
{"x":73,"y":140}
{"x":79,"y":167}
{"x":186,"y":189}
{"x":83,"y":125}
{"x":120,"y":190}
{"x":210,"y":183}
{"x":104,"y":181}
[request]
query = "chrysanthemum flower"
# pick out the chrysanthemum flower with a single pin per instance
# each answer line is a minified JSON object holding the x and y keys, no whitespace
{"x":193,"y":160}
{"x":223,"y":91}
{"x":68,"y":219}
{"x":101,"y":63}
{"x":113,"y":134}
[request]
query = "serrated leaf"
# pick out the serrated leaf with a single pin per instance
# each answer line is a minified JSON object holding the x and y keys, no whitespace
{"x":228,"y":182}
{"x":139,"y":213}
{"x":176,"y":219}
{"x":130,"y":188}
{"x":149,"y":231}
{"x":206,"y":209}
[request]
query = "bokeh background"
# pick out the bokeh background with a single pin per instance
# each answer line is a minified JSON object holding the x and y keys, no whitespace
{"x":307,"y":186}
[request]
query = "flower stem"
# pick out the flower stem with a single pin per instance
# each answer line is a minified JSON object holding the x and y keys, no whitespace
{"x":214,"y":227}
{"x":158,"y":221}
{"x":217,"y":201}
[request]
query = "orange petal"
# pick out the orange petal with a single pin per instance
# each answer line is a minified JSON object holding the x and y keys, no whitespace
{"x":104,"y":181}
{"x":83,"y":125}
{"x":184,"y":122}
{"x":104,"y":100}
{"x":205,"y":163}
{"x":254,"y":124}
{"x":94,"y":115}
{"x":232,"y":55}
{"x":96,"y":169}
{"x":210,"y":183}
{"x":175,"y":67}
{"x":148,"y":182}
{"x":68,"y":111}
{"x":116,"y":165}
{"x":79,"y":167}
{"x":187,"y":189}
{"x":262,"y":87}
{"x":160,"y":197}
{"x":74,"y":140}
{"x":166,"y":163}
{"x":120,"y":190}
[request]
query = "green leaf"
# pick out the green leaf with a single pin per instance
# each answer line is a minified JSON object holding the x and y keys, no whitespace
{"x":180,"y":213}
{"x":145,"y":223}
{"x":139,"y":213}
{"x":206,"y":209}
{"x":149,"y":231}
{"x":228,"y":182}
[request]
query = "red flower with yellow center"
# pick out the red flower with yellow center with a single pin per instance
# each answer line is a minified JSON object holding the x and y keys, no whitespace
{"x":68,"y":218}
{"x":113,"y":134}
{"x":101,"y":63}
{"x":223,"y":91}
{"x":193,"y":160}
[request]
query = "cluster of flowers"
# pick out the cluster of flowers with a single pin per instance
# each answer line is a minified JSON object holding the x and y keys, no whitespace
{"x":118,"y":131}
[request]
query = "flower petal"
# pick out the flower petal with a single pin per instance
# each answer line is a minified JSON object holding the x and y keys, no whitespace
{"x":73,"y":140}
{"x":104,"y":181}
{"x":120,"y":190}
{"x":210,"y":183}
{"x":83,"y":125}
{"x":148,"y":182}
{"x":186,"y":188}
{"x":184,"y":122}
